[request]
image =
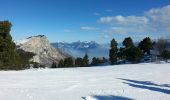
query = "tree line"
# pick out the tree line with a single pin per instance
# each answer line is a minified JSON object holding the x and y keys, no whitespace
{"x":133,"y":54}
{"x":79,"y":62}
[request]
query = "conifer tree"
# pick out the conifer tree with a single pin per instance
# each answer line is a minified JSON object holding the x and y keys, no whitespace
{"x":68,"y":62}
{"x":146,"y":45}
{"x":9,"y":59}
{"x":128,"y":42}
{"x":94,"y":61}
{"x":166,"y":54}
{"x":113,"y":52}
{"x":133,"y":54}
{"x":130,"y":52}
{"x":79,"y":62}
{"x":86,"y":60}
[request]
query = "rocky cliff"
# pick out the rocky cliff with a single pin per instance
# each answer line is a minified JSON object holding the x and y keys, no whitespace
{"x":46,"y":54}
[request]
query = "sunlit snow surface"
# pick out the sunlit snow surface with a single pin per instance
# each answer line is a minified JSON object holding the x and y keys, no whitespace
{"x":119,"y":82}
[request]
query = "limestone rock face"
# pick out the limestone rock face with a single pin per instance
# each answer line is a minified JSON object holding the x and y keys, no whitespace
{"x":46,"y":54}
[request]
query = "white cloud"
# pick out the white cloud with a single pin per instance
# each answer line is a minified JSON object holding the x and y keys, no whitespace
{"x":120,"y":30}
{"x":88,"y":28}
{"x":160,"y":18}
{"x":155,"y":20}
{"x":125,"y":21}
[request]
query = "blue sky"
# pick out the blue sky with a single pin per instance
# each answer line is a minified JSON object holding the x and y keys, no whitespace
{"x":87,"y":20}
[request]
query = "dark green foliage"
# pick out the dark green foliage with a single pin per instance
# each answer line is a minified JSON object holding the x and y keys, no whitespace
{"x":79,"y":62}
{"x":54,"y":65}
{"x":128,"y":42}
{"x":146,"y":45}
{"x":86,"y":60}
{"x":25,"y":57}
{"x":130,"y":52}
{"x":98,"y":61}
{"x":121,"y":53}
{"x":9,"y":59}
{"x":94,"y":61}
{"x":68,"y":62}
{"x":82,"y":62}
{"x":113,"y":52}
{"x":113,"y":56}
{"x":105,"y":60}
{"x":113,"y":44}
{"x":133,"y":54}
{"x":166,"y":54}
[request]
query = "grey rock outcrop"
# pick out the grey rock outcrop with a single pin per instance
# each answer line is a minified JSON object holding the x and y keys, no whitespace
{"x":46,"y":54}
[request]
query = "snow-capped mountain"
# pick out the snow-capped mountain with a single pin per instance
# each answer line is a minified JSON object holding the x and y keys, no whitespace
{"x":77,"y":45}
{"x":46,"y":54}
{"x":79,"y":48}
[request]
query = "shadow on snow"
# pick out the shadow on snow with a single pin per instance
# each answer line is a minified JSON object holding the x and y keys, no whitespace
{"x":109,"y":98}
{"x":147,"y":85}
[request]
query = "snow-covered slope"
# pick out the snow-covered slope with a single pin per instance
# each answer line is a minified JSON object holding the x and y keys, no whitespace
{"x":119,"y":82}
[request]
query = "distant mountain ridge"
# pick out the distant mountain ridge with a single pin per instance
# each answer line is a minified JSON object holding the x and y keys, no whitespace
{"x":79,"y":48}
{"x":77,"y":45}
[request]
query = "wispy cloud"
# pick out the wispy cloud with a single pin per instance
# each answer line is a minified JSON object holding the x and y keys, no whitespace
{"x":154,"y":20}
{"x":125,"y":21}
{"x":88,"y":28}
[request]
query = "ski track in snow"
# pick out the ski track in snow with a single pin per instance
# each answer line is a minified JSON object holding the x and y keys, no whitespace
{"x":119,"y":82}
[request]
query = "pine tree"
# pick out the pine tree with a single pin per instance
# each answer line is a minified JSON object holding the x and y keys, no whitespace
{"x":166,"y":54}
{"x":68,"y":62}
{"x":79,"y":62}
{"x":146,"y":45}
{"x":9,"y":59}
{"x":133,"y":54}
{"x":86,"y":60}
{"x":94,"y":61}
{"x":113,"y":52}
{"x":122,"y":53}
{"x":128,"y":42}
